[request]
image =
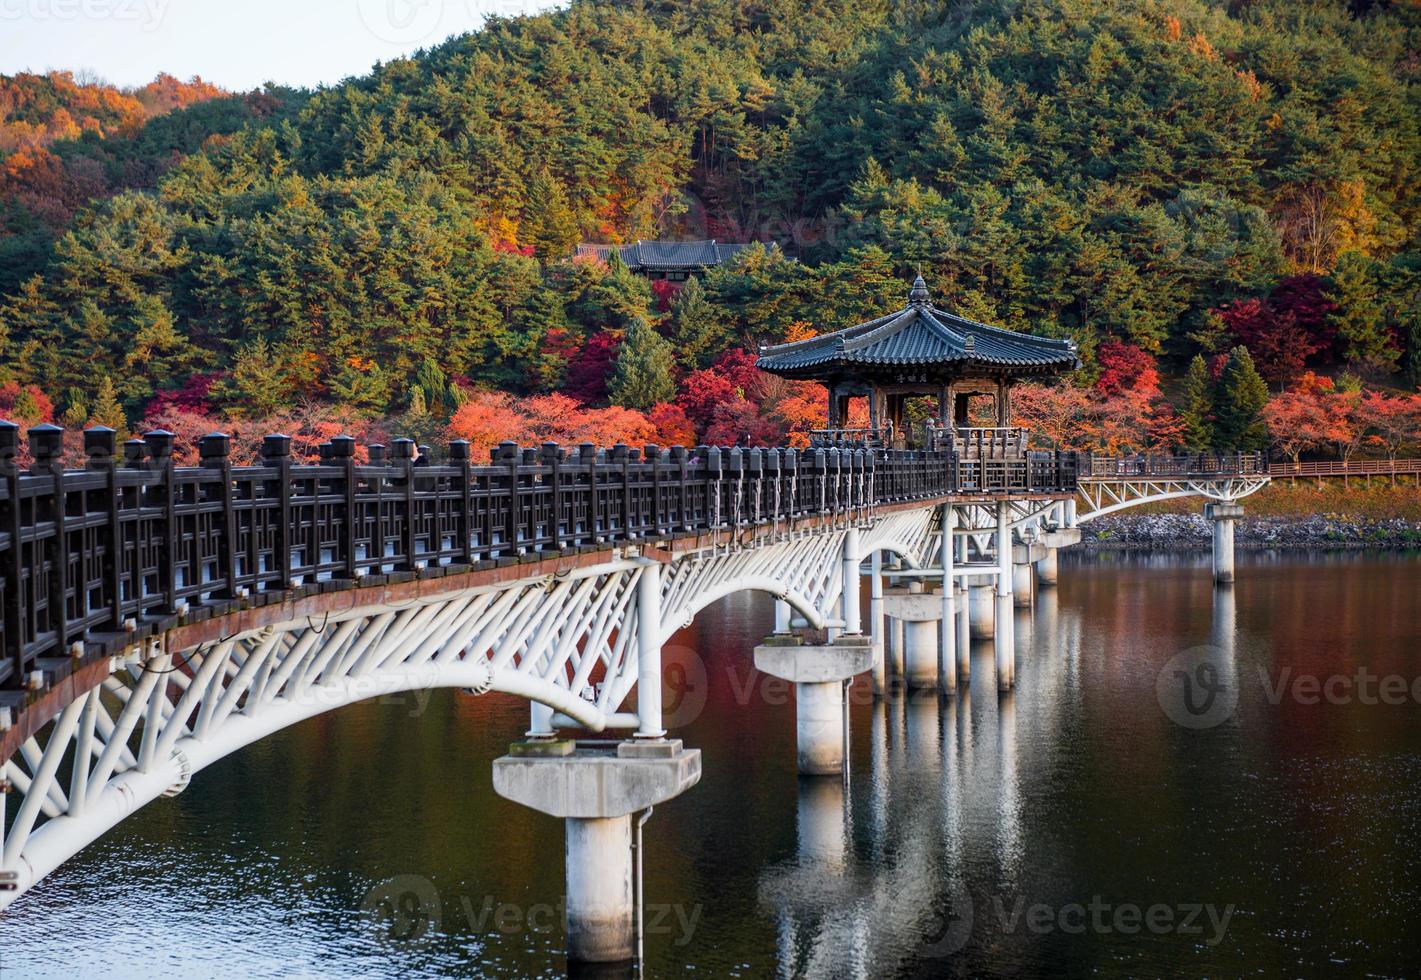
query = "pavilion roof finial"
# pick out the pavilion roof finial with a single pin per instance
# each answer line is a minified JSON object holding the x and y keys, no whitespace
{"x":918,"y":295}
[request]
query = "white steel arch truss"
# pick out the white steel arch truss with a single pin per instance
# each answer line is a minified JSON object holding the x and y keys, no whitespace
{"x":568,"y":641}
{"x":1102,"y":497}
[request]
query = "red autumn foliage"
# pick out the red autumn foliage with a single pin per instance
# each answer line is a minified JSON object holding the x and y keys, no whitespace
{"x":673,"y":426}
{"x":701,"y":392}
{"x":34,"y":406}
{"x":1126,"y":367}
{"x":739,"y":367}
{"x":191,"y":397}
{"x":739,"y":423}
{"x":1279,"y":344}
{"x":590,"y":367}
{"x":664,"y":292}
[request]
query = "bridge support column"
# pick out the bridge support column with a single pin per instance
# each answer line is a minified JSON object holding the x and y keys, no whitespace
{"x":876,"y":624}
{"x":964,"y":638}
{"x":1223,"y":514}
{"x":1048,"y":568}
{"x":920,"y":613}
{"x":1005,"y":640}
{"x":981,"y":601}
{"x":818,"y":674}
{"x":597,"y":788}
{"x":947,"y":631}
{"x":648,"y":638}
{"x":851,"y":601}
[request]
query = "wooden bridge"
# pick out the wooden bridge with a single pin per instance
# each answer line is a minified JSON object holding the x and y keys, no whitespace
{"x":159,"y":617}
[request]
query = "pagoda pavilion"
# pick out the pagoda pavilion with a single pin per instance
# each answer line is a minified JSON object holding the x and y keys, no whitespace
{"x":921,"y":350}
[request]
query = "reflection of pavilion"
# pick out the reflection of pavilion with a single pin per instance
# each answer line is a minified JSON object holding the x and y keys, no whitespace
{"x":922,"y":351}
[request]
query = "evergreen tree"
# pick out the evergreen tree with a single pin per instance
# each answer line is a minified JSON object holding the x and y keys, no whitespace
{"x":1359,"y":314}
{"x":76,"y":410}
{"x":697,"y":329}
{"x":434,"y":389}
{"x":550,"y":225}
{"x":1239,"y":412}
{"x":257,"y":385}
{"x":418,"y":422}
{"x":1196,"y":414}
{"x":643,"y":373}
{"x":107,"y":410}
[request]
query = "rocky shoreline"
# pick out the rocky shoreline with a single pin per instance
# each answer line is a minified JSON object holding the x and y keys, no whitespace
{"x":1188,"y":532}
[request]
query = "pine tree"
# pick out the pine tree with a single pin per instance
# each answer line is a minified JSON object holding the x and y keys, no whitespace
{"x":257,"y":384}
{"x":76,"y":410}
{"x":550,"y":225}
{"x":697,"y":330}
{"x":643,"y":373}
{"x":434,"y":387}
{"x":1239,"y":413}
{"x":1359,"y":314}
{"x":1196,"y":414}
{"x":107,"y":410}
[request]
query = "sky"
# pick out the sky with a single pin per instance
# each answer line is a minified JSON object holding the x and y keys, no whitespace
{"x":237,"y":44}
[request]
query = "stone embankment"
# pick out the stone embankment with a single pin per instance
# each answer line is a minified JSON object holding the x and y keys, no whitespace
{"x":1190,"y":531}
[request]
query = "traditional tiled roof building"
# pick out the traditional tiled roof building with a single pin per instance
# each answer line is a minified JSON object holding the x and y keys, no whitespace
{"x":919,"y":350}
{"x":668,"y":260}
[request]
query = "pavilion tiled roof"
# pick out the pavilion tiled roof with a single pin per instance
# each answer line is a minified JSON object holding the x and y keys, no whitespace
{"x":920,"y":335}
{"x":668,"y":255}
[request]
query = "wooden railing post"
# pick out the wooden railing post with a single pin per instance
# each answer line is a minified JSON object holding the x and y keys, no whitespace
{"x":101,"y":450}
{"x":402,"y":458}
{"x":276,"y":454}
{"x":13,"y":557}
{"x":507,"y":454}
{"x":341,"y":453}
{"x":215,"y":452}
{"x":651,"y":454}
{"x":47,"y":453}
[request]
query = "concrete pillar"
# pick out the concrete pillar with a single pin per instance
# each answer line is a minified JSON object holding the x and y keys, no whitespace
{"x":1053,"y":540}
{"x":947,"y":631}
{"x":1006,"y":652}
{"x":601,"y":900}
{"x":981,"y":601}
{"x":818,"y":674}
{"x":1048,"y":569}
{"x":782,"y":617}
{"x":851,"y":601}
{"x":895,"y":660}
{"x":920,"y":655}
{"x":648,"y":685}
{"x":1021,"y":584}
{"x":964,"y":638}
{"x":1223,"y":514}
{"x":597,"y":789}
{"x":819,"y":727}
{"x":877,"y":624}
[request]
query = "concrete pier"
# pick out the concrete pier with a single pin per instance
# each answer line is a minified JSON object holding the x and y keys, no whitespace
{"x":877,"y":625}
{"x":1223,"y":514}
{"x":818,"y":673}
{"x":920,"y":613}
{"x":1006,"y":646}
{"x":964,"y":638}
{"x":982,"y":610}
{"x":1048,"y":568}
{"x":597,"y":788}
{"x":1021,"y":584}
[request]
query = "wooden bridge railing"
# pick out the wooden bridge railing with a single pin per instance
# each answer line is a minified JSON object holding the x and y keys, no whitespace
{"x":1196,"y":465}
{"x":1351,"y":467}
{"x":133,"y":542}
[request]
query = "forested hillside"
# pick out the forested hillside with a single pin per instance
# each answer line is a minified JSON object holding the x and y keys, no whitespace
{"x":1190,"y":189}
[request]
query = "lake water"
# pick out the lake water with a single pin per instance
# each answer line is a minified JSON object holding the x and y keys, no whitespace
{"x":1183,"y":781}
